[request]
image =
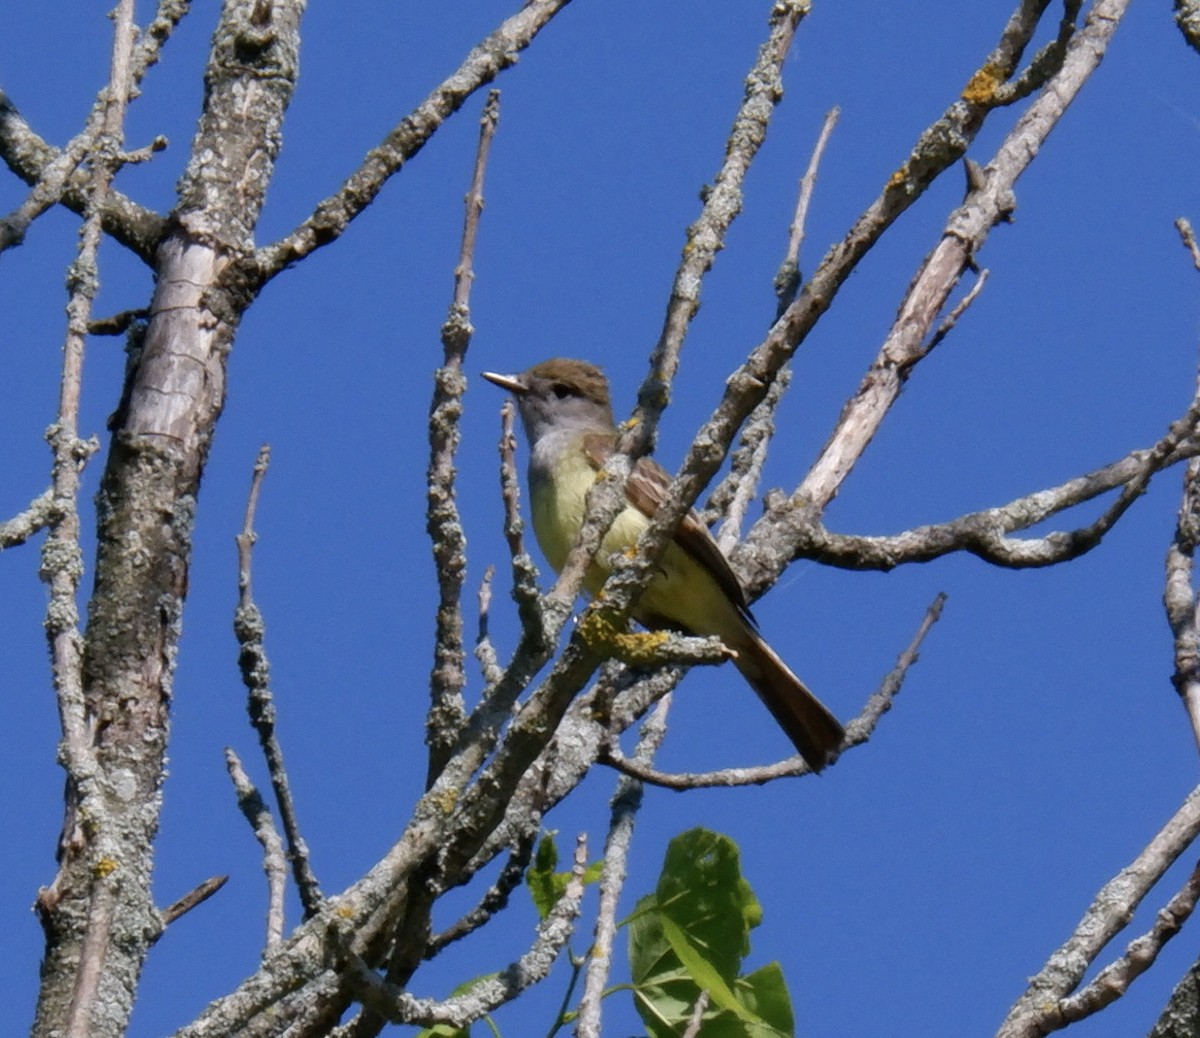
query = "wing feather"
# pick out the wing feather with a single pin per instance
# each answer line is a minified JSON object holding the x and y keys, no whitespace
{"x":646,"y":488}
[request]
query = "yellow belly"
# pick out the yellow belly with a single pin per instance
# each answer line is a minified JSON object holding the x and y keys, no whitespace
{"x":682,"y":593}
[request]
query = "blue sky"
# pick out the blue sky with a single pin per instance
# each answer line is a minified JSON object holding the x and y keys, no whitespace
{"x":1037,"y":745}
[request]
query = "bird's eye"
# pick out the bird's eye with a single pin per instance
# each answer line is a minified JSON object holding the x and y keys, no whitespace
{"x":562,"y":390}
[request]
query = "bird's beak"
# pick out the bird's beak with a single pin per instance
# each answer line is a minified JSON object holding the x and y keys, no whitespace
{"x":512,"y":383}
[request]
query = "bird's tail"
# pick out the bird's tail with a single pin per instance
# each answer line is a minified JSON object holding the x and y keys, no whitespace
{"x":814,"y":731}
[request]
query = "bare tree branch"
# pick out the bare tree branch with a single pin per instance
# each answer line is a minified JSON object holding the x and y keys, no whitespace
{"x":858,"y":731}
{"x":485,"y":651}
{"x":447,"y":713}
{"x":626,"y":802}
{"x":1188,"y":237}
{"x":161,"y":431}
{"x":722,"y":205}
{"x":524,"y":571}
{"x":705,"y":238}
{"x":1113,"y":981}
{"x":274,"y":858}
{"x":964,"y":235}
{"x":1037,"y":1011}
{"x":1180,"y":600}
{"x":787,"y":278}
{"x":26,"y":524}
{"x":940,"y":146}
{"x":987,"y":533}
{"x":86,"y":838}
{"x":193,"y":898}
{"x":494,"y":899}
{"x":55,"y":175}
{"x":493,"y":991}
{"x":255,"y":666}
{"x":333,"y":215}
{"x":31,"y":158}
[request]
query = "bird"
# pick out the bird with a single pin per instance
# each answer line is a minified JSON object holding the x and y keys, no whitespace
{"x":566,"y":411}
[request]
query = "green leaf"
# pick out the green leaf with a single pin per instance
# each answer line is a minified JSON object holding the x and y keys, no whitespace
{"x":700,"y":970}
{"x":765,"y":993}
{"x":691,"y":936}
{"x":547,"y":886}
{"x":702,"y":889}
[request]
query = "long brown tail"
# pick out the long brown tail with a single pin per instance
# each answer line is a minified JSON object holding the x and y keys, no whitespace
{"x":814,"y":731}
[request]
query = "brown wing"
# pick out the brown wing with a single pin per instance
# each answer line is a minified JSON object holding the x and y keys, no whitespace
{"x":645,"y":489}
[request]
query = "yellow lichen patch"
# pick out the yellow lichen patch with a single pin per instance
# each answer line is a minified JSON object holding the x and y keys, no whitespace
{"x":640,"y":648}
{"x":446,"y":800}
{"x":898,"y":178}
{"x":595,"y":630}
{"x":636,"y":648}
{"x":981,"y":87}
{"x":105,"y":867}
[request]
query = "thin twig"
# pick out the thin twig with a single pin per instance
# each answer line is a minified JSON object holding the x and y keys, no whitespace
{"x":733,"y":497}
{"x":987,"y":533}
{"x":492,"y":991}
{"x":464,"y":274}
{"x":858,"y":731}
{"x":62,"y":560}
{"x":250,"y":629}
{"x":626,"y":802}
{"x":722,"y":205}
{"x":333,"y":215}
{"x":485,"y":651}
{"x":117,"y":324}
{"x":524,"y":570}
{"x":951,"y":319}
{"x":787,"y":280}
{"x":447,"y":713}
{"x":697,"y":1018}
{"x":197,"y":896}
{"x":40,"y":514}
{"x":494,"y":899}
{"x":274,"y":858}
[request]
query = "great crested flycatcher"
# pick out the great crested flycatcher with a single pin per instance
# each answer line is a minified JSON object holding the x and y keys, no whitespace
{"x":568,"y":419}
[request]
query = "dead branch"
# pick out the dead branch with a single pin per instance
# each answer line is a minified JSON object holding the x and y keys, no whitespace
{"x":333,"y":214}
{"x":1036,"y":1011}
{"x":447,"y":712}
{"x":250,"y":628}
